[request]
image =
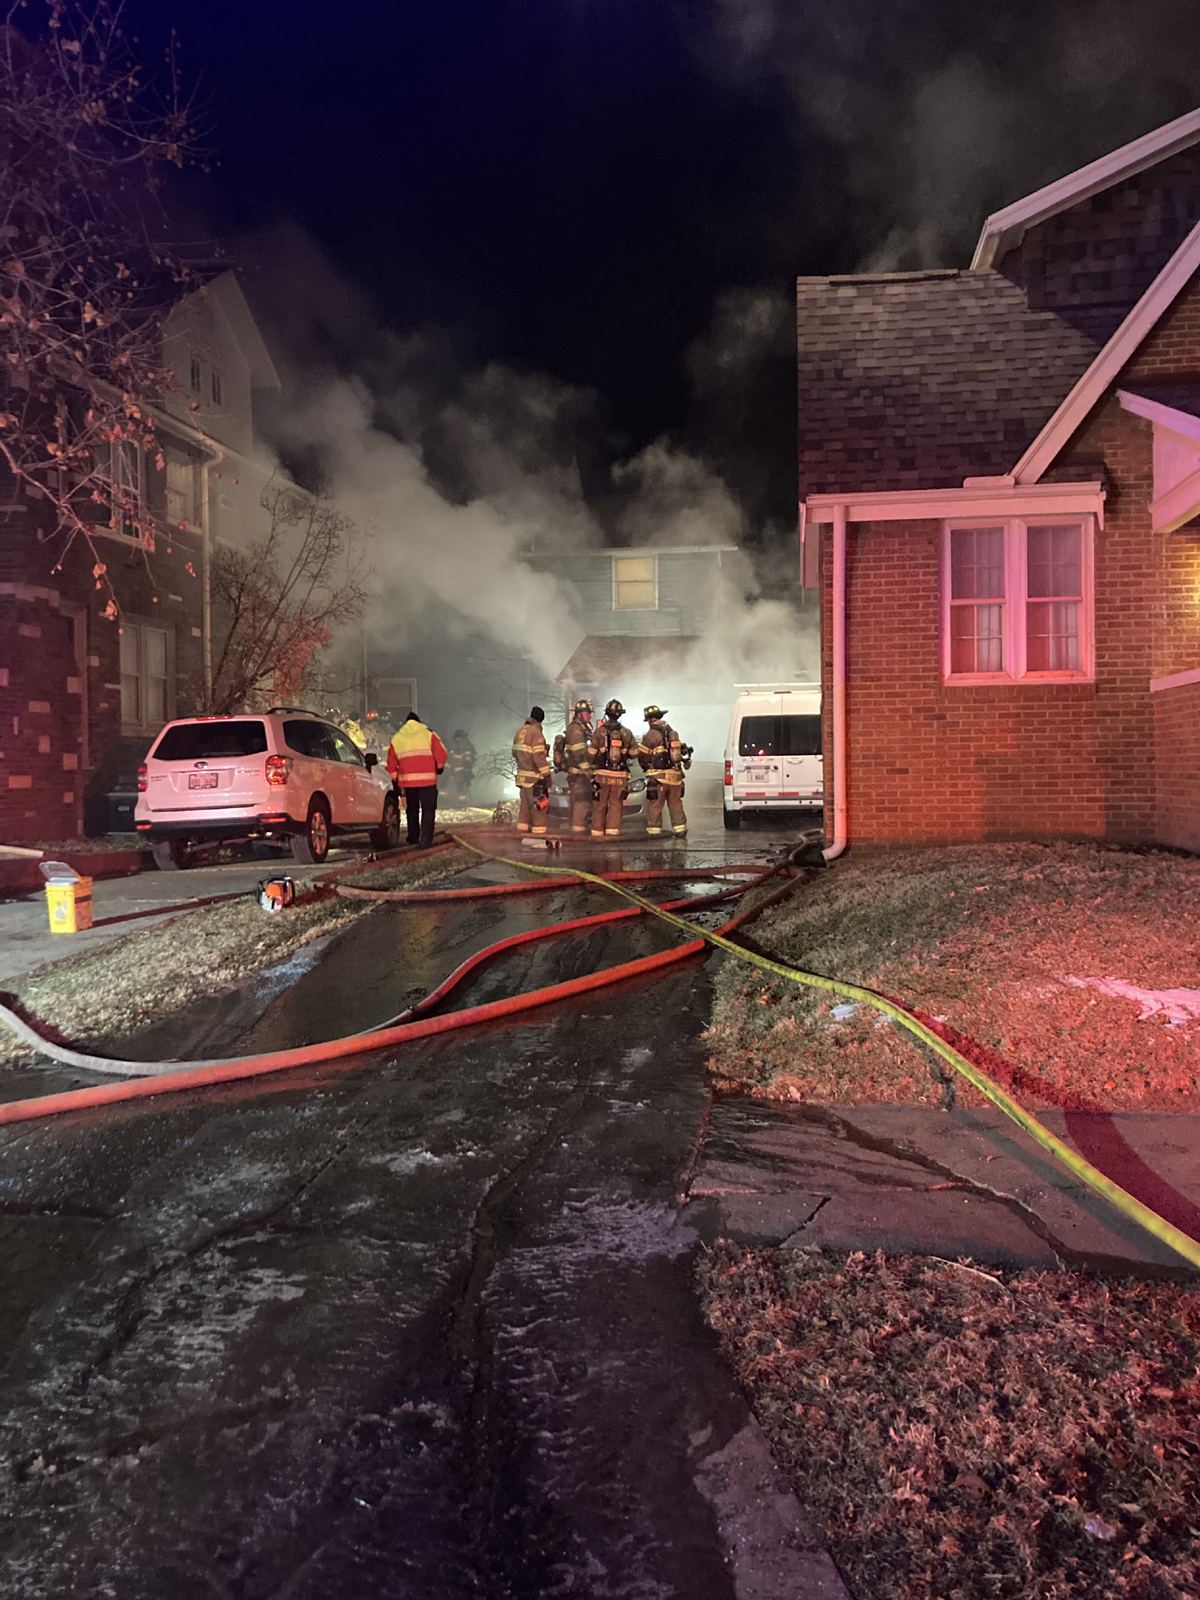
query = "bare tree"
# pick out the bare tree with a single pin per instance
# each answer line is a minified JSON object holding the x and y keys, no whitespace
{"x":85,"y":142}
{"x":277,"y":602}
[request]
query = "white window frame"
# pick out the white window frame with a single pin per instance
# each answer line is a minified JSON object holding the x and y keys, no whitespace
{"x":1016,"y":600}
{"x":633,"y":555}
{"x":118,"y":527}
{"x":138,"y":626}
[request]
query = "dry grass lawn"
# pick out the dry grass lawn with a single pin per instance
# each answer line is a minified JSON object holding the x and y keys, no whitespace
{"x":983,"y":938}
{"x":108,"y":993}
{"x":958,"y":1434}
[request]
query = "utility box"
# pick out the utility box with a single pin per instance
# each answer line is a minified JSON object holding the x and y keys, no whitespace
{"x":68,"y":897}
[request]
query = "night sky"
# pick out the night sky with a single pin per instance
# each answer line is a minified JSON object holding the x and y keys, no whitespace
{"x":571,"y":186}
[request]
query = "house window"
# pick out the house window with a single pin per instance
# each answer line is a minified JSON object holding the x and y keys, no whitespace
{"x":215,"y":382}
{"x":195,"y":375}
{"x":1017,"y":601}
{"x":635,"y":583}
{"x":180,"y":492}
{"x":144,"y":677}
{"x":120,"y":465}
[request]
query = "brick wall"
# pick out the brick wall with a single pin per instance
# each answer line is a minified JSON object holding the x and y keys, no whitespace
{"x":41,"y":718}
{"x":1177,"y":739}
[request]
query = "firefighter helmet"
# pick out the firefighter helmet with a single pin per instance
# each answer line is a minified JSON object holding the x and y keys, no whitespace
{"x":653,"y":711}
{"x":582,"y":705}
{"x":614,"y":708}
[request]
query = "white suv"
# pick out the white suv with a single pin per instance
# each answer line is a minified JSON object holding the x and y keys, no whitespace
{"x":284,"y":774}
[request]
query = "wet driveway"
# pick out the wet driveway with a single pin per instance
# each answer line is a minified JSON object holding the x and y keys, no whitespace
{"x":423,"y":1326}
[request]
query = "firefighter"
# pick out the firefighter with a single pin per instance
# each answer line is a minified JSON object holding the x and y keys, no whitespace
{"x":665,"y":758}
{"x":610,"y":747}
{"x":531,"y":754}
{"x":572,"y":756}
{"x":415,"y":760}
{"x":460,"y":768}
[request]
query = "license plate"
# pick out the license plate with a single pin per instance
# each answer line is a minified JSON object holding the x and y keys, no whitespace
{"x":758,"y":776}
{"x":202,"y":780}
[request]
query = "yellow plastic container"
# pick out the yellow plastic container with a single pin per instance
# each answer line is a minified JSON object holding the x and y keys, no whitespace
{"x":70,"y":906}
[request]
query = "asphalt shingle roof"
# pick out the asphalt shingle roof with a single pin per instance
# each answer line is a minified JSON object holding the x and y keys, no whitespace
{"x":917,"y":380}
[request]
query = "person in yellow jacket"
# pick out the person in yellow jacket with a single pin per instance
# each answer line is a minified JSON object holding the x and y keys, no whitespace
{"x":611,"y":747}
{"x":664,"y":758}
{"x":415,"y":760}
{"x":572,"y":756}
{"x":531,"y":754}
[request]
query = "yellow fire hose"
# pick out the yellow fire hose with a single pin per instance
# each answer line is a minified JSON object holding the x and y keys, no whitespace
{"x":1158,"y":1226}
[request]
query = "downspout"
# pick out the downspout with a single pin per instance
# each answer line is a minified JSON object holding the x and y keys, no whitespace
{"x":206,"y":576}
{"x":841,"y":807}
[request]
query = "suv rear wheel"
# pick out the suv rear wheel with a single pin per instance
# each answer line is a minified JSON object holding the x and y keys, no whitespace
{"x":312,"y":846}
{"x":170,"y":855}
{"x":387,"y":835}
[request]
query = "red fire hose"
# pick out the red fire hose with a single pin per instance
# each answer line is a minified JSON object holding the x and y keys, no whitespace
{"x":169,"y":1077}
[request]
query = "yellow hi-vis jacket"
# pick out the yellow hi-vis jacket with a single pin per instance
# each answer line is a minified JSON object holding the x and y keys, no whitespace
{"x":416,"y":756}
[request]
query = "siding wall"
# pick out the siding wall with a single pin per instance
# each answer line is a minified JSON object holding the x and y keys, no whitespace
{"x":688,"y":589}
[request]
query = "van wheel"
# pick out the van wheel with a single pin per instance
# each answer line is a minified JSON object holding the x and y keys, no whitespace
{"x":312,"y":846}
{"x":170,"y":855}
{"x":733,"y":819}
{"x":387,"y":835}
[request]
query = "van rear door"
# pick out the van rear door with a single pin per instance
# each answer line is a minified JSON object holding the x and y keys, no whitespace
{"x":758,"y":765}
{"x":800,"y":747}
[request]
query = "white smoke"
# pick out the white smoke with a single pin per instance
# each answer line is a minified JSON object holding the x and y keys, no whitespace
{"x":944,"y":112}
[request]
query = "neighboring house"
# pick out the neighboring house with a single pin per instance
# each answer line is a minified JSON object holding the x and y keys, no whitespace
{"x":82,"y":694}
{"x":652,"y":621}
{"x":1000,"y":482}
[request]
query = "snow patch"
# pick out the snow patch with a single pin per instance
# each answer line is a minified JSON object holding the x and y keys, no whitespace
{"x":1178,"y":1006}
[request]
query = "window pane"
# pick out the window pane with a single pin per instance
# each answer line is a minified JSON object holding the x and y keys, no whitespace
{"x":1054,"y":564}
{"x":635,"y":583}
{"x":759,"y":736}
{"x":977,"y":564}
{"x":1052,"y":635}
{"x":202,"y":741}
{"x":156,"y":701}
{"x":130,"y":711}
{"x":977,"y":638}
{"x":156,"y":652}
{"x":347,"y":750}
{"x":635,"y":568}
{"x":801,"y":736}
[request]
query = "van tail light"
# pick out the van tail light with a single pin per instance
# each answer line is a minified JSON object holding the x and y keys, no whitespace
{"x":278,"y":770}
{"x":142,"y":779}
{"x":729,"y":772}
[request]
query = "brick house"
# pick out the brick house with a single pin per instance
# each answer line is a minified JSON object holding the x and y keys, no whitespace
{"x":1000,"y":503}
{"x":82,"y":696}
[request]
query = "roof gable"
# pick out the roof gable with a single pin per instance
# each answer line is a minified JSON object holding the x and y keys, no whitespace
{"x":1005,"y":228}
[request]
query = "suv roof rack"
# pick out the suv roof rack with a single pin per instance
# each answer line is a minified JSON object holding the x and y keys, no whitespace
{"x":303,"y":710}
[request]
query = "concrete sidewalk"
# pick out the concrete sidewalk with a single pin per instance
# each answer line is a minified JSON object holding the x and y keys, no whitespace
{"x":907,"y":1179}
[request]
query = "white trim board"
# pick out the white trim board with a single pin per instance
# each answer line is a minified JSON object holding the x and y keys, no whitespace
{"x":919,"y":505}
{"x":1008,"y":227}
{"x":1105,"y":369}
{"x":1175,"y":680}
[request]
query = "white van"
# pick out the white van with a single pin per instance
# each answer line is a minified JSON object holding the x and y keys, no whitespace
{"x":773,"y":755}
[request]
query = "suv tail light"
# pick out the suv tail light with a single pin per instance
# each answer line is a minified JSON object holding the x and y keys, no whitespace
{"x":142,"y":779}
{"x":278,"y":770}
{"x":729,"y":772}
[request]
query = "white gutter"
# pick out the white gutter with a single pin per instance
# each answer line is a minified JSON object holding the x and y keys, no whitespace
{"x":841,"y":807}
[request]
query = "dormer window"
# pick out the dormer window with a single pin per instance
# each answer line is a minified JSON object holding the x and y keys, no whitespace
{"x":216,"y":388}
{"x":635,"y":583}
{"x":195,"y":375}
